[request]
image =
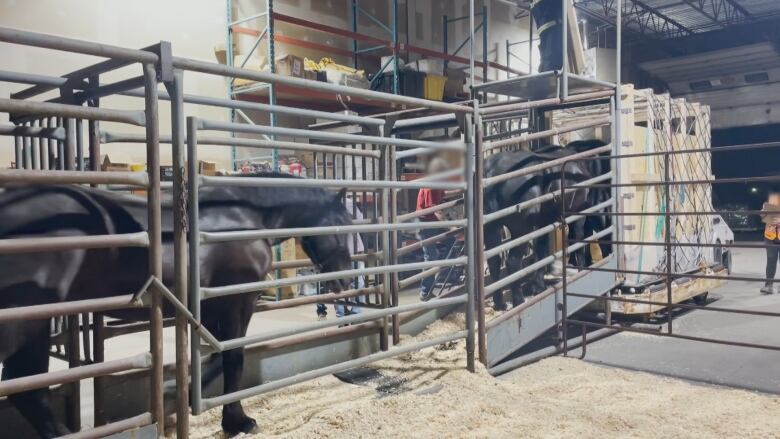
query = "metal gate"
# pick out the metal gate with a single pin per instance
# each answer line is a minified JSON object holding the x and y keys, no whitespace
{"x":380,"y":144}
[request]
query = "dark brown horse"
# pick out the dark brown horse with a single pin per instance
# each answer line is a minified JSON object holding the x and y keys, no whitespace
{"x":527,"y":187}
{"x":37,"y":278}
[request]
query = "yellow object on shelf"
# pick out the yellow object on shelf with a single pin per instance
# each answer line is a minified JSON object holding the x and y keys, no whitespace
{"x":433,"y":87}
{"x":329,"y":64}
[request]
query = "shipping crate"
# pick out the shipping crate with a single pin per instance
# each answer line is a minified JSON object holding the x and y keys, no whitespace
{"x":653,"y":123}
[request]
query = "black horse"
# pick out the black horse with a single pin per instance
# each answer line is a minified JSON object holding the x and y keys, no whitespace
{"x":37,"y":278}
{"x":528,"y":187}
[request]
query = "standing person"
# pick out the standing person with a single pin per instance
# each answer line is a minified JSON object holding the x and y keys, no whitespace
{"x":548,"y":17}
{"x":771,"y":217}
{"x":355,"y":244}
{"x":427,"y":198}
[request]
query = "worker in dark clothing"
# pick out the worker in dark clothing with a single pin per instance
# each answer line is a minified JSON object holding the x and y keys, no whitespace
{"x":548,"y":17}
{"x":771,"y":217}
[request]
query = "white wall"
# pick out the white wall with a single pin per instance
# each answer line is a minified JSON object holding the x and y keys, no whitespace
{"x":192,"y":26}
{"x":425,"y":27}
{"x":195,"y":27}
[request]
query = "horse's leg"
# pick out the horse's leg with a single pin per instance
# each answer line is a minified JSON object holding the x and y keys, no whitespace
{"x":234,"y":420}
{"x":513,"y":264}
{"x":492,"y":239}
{"x":541,"y":250}
{"x":580,"y":258}
{"x":34,"y":405}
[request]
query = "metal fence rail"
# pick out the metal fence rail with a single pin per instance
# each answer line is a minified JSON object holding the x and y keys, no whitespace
{"x":668,"y":274}
{"x":387,"y":287}
{"x":49,"y":145}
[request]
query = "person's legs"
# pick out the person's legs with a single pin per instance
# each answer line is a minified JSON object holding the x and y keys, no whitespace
{"x":772,"y":253}
{"x":346,"y":310}
{"x":430,"y":253}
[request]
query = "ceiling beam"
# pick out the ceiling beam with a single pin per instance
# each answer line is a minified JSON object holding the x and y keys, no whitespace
{"x":649,"y":20}
{"x":666,"y":19}
{"x":722,"y":13}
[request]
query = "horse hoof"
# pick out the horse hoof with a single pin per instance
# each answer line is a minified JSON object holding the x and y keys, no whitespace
{"x":235,"y":427}
{"x":499,"y":307}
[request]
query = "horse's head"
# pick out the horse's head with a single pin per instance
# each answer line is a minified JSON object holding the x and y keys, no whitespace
{"x":330,"y":252}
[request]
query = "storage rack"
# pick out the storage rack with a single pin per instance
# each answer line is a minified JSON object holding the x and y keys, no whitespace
{"x":307,"y":98}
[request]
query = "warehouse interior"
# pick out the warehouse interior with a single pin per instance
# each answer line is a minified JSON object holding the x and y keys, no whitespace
{"x":364,"y":296}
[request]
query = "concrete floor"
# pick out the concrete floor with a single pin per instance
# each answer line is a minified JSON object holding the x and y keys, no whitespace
{"x":749,"y":368}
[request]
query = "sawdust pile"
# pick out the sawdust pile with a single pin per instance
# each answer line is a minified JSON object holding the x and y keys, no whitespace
{"x":430,"y":394}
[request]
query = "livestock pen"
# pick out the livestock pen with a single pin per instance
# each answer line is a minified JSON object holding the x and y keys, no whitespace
{"x":51,"y":148}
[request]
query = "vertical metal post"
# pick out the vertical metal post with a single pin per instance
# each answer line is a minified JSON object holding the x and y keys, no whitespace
{"x":269,"y":5}
{"x":668,"y":236}
{"x":617,"y":227}
{"x":472,"y":273}
{"x":70,"y":144}
{"x":18,"y":152}
{"x":354,"y":30}
{"x":35,"y":145}
{"x":52,"y":152}
{"x":74,"y":354}
{"x":618,"y":42}
{"x":98,"y":349}
{"x":229,"y":61}
{"x":392,"y":175}
{"x":560,"y":300}
{"x":617,"y":125}
{"x":508,"y":58}
{"x":530,"y":43}
{"x":386,"y":244}
{"x":27,"y":142}
{"x":44,"y":148}
{"x":60,"y":147}
{"x":394,"y":23}
{"x":93,"y":127}
{"x":445,"y":36}
{"x":272,"y":66}
{"x":565,"y":55}
{"x":175,"y":90}
{"x":471,"y":42}
{"x":485,"y":43}
{"x":79,"y":145}
{"x":155,"y":242}
{"x":478,"y":234}
{"x":193,"y":280}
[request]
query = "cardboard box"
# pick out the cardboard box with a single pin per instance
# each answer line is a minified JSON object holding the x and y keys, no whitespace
{"x":290,"y":250}
{"x":290,"y":65}
{"x":207,"y":168}
{"x":107,"y":165}
{"x":347,"y":79}
{"x":456,"y":79}
{"x":390,"y":65}
{"x":429,"y":66}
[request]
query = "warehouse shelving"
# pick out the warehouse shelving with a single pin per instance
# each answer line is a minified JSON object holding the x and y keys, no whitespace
{"x":393,"y":46}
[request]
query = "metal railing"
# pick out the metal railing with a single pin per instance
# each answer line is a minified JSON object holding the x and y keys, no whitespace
{"x":388,"y":293}
{"x":668,"y":276}
{"x":49,"y":146}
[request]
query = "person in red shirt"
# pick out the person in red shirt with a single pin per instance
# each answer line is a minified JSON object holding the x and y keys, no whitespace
{"x":427,"y":198}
